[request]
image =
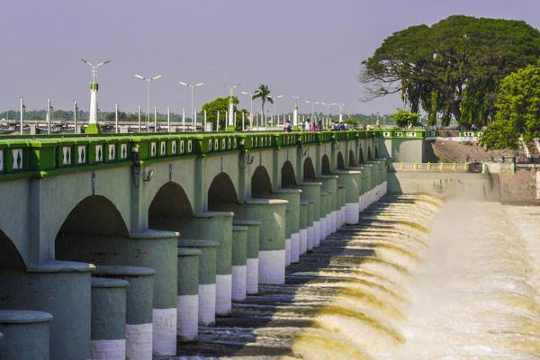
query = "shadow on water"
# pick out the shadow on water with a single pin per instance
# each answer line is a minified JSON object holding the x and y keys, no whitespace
{"x":339,"y":291}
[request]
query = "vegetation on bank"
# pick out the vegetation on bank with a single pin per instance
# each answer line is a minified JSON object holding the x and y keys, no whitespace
{"x":453,"y":69}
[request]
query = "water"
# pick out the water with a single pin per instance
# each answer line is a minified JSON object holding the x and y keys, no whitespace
{"x":416,"y":279}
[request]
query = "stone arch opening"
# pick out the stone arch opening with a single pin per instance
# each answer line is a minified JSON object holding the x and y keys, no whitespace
{"x":170,"y":208}
{"x":261,"y":185}
{"x":10,"y":258}
{"x":288,"y":178}
{"x":309,"y":169}
{"x":222,"y":195}
{"x":325,"y":169}
{"x":340,"y":161}
{"x":352,"y":160}
{"x":88,"y":230}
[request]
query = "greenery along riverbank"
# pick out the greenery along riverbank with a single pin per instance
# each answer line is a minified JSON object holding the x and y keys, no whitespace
{"x":476,"y":71}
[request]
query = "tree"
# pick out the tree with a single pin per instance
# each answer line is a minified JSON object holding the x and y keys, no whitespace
{"x":518,"y":110}
{"x":263,"y":93}
{"x":453,"y":68}
{"x":221,"y":104}
{"x":404,"y":118}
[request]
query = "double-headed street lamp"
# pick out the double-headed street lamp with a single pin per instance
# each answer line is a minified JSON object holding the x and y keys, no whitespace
{"x":94,"y":87}
{"x":192,"y":86}
{"x":148,"y":81}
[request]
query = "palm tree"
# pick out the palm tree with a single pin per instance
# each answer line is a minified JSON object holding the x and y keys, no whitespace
{"x":263,"y":93}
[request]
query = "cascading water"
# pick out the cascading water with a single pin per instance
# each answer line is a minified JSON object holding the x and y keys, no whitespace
{"x":415,"y":279}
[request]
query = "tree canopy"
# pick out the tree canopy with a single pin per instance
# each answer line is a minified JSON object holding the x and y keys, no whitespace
{"x":518,"y":110}
{"x":263,"y":93}
{"x":451,"y":69}
{"x":404,"y":118}
{"x":221,"y":104}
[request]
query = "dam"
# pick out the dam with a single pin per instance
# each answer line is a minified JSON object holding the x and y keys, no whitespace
{"x":313,"y":245}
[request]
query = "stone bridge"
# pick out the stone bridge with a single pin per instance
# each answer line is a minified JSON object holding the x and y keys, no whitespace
{"x":151,"y":235}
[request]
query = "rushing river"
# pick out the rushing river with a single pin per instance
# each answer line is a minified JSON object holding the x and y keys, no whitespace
{"x":416,"y":279}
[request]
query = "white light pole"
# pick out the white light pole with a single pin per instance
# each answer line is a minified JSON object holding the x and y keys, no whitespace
{"x":94,"y":87}
{"x":231,"y":104}
{"x":192,"y":86}
{"x":139,"y":116}
{"x":148,"y":81}
{"x":21,"y":110}
{"x":75,"y":115}
{"x":246,"y":93}
{"x":49,"y":115}
{"x":295,"y":110}
{"x":116,"y":118}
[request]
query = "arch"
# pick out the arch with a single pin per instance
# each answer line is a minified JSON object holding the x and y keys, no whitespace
{"x":340,"y":161}
{"x":221,"y":193}
{"x":325,"y":164}
{"x":309,"y":169}
{"x":95,"y":217}
{"x":352,"y":160}
{"x":288,"y":178}
{"x":261,"y":184}
{"x":10,"y":258}
{"x":169,"y":208}
{"x":360,"y":155}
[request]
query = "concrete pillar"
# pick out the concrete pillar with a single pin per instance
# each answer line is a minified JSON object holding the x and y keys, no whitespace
{"x":207,"y":278}
{"x":188,"y":293}
{"x":342,"y":205}
{"x":26,"y":335}
{"x":62,"y":289}
{"x":272,"y":215}
{"x":330,"y":184}
{"x":292,"y":236}
{"x":108,"y":319}
{"x":217,"y":226}
{"x":304,"y":225}
{"x":158,"y":250}
{"x":252,"y":255}
{"x":324,"y":212}
{"x":239,"y":265}
{"x":139,"y":307}
{"x":349,"y":179}
{"x":311,"y":191}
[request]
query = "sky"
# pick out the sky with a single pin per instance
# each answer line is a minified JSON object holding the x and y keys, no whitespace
{"x":307,"y":48}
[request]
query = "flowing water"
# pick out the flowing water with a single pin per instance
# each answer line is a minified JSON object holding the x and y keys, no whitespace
{"x":415,"y":279}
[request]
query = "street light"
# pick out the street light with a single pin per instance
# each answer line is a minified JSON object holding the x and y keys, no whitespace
{"x":231,"y":104}
{"x":276,"y":107}
{"x":295,"y":109}
{"x":148,"y":81}
{"x":92,"y":121}
{"x":192,"y":86}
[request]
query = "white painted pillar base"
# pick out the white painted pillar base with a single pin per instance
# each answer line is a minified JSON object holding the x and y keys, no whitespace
{"x":223,"y":294}
{"x":303,"y":241}
{"x":326,"y":231}
{"x":322,"y":224}
{"x":317,"y":233}
{"x":239,"y":282}
{"x":287,"y":252}
{"x":188,"y":317}
{"x":342,"y":216}
{"x":272,"y":266}
{"x":295,"y":247}
{"x":207,"y":304}
{"x":353,"y":213}
{"x":333,"y":222}
{"x":310,"y":237}
{"x":139,"y":341}
{"x":164,"y":339}
{"x":108,"y":349}
{"x":252,"y":277}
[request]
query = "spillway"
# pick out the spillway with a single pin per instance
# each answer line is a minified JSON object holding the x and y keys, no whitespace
{"x":417,"y":278}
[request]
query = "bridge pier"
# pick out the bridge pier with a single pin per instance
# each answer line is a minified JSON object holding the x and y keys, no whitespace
{"x":188,"y":293}
{"x":26,"y":336}
{"x":139,"y":305}
{"x":329,"y":185}
{"x":349,"y":179}
{"x":292,"y":196}
{"x":252,"y":254}
{"x":54,"y":287}
{"x":239,"y":266}
{"x":311,"y":191}
{"x":108,"y":319}
{"x":271,"y":213}
{"x":304,"y":226}
{"x":207,"y":278}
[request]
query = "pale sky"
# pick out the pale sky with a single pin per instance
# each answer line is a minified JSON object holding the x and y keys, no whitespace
{"x":310,"y":48}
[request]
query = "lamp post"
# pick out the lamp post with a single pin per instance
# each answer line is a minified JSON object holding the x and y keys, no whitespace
{"x":94,"y":87}
{"x":148,"y":81}
{"x":295,"y":109}
{"x":21,"y":110}
{"x":231,"y":104}
{"x":246,"y":93}
{"x":275,"y":106}
{"x":192,"y":86}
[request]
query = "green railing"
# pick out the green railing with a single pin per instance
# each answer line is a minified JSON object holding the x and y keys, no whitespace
{"x":46,"y":155}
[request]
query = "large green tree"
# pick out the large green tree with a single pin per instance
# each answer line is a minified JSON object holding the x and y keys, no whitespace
{"x":451,"y":69}
{"x":518,"y":110}
{"x":221,"y":104}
